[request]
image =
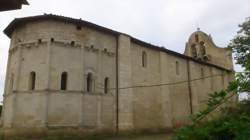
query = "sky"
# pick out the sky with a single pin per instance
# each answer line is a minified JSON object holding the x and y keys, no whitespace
{"x":166,"y":23}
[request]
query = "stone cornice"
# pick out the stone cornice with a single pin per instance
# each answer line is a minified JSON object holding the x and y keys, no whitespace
{"x":63,"y":43}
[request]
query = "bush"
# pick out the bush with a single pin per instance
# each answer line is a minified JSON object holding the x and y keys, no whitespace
{"x":234,"y":124}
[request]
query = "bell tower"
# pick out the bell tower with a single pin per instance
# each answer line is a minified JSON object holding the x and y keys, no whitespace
{"x":200,"y":46}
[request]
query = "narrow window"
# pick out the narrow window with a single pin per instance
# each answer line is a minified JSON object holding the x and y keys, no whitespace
{"x":72,"y":43}
{"x":64,"y":78}
{"x":196,"y":38}
{"x":78,"y":27}
{"x":52,"y":40}
{"x":39,"y":41}
{"x":89,"y":82}
{"x":193,"y":50}
{"x":32,"y":80}
{"x":177,"y":69}
{"x":144,"y":59}
{"x":106,"y":85}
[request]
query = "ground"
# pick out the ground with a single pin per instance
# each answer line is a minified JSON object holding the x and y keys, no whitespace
{"x":141,"y":137}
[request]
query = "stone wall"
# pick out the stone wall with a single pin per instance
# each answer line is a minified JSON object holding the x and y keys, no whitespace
{"x":43,"y":48}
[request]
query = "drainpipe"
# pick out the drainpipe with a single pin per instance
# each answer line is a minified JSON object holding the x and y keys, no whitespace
{"x":189,"y":87}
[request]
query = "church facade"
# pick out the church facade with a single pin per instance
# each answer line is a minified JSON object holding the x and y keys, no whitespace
{"x":65,"y":72}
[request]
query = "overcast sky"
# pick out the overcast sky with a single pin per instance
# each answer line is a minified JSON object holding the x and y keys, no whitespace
{"x":161,"y":22}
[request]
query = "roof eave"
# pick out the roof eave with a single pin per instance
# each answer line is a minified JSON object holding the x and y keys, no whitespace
{"x":25,"y":2}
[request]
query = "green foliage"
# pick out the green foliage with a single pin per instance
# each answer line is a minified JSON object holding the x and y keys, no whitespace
{"x":241,"y":48}
{"x":234,"y":123}
{"x":241,"y":45}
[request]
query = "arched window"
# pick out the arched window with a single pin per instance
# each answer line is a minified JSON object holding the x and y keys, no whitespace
{"x":203,"y":49}
{"x":64,"y":78}
{"x":106,"y":85}
{"x":32,"y":80}
{"x":177,"y":68}
{"x":144,"y":59}
{"x":89,"y":82}
{"x":193,"y":50}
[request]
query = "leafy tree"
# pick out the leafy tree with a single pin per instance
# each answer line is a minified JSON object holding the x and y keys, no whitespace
{"x":241,"y":48}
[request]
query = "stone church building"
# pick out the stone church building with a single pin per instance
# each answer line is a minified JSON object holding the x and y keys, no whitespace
{"x":65,"y":72}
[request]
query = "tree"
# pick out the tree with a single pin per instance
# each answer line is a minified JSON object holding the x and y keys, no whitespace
{"x":241,"y":48}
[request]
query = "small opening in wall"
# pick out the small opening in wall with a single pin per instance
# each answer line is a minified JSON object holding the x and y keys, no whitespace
{"x":92,"y":46}
{"x":105,"y":50}
{"x":72,"y":43}
{"x":78,"y":27}
{"x":89,"y":82}
{"x":64,"y":79}
{"x":32,"y":80}
{"x":52,"y":40}
{"x":106,"y":85}
{"x":39,"y":41}
{"x":144,"y":59}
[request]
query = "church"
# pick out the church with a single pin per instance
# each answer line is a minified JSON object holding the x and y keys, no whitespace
{"x":64,"y":72}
